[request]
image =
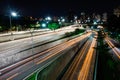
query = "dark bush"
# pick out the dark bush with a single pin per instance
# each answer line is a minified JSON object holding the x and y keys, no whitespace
{"x":77,"y":31}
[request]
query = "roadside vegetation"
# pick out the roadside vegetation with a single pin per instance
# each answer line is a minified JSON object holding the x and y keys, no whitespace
{"x":108,"y":68}
{"x":115,"y":36}
{"x":33,"y":77}
{"x":113,"y":24}
{"x":77,"y":31}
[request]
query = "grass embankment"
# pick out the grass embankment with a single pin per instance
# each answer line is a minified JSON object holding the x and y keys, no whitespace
{"x":32,"y":77}
{"x":108,"y":67}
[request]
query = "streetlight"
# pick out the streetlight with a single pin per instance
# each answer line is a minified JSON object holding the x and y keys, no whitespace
{"x":14,"y":14}
{"x":49,"y":18}
{"x":31,"y":32}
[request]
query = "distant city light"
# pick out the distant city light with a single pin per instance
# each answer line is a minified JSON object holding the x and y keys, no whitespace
{"x":100,"y":27}
{"x":119,"y":35}
{"x":47,"y":22}
{"x":98,"y":20}
{"x":76,"y":21}
{"x":95,"y":23}
{"x":48,"y":18}
{"x":91,"y":27}
{"x":43,"y":25}
{"x":61,"y":17}
{"x":59,"y":20}
{"x":101,"y":22}
{"x":88,"y":18}
{"x":60,"y":23}
{"x":63,"y":20}
{"x":75,"y":17}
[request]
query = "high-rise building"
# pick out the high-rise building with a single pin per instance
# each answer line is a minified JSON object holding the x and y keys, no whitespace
{"x":70,"y":16}
{"x":104,"y":17}
{"x":117,"y":11}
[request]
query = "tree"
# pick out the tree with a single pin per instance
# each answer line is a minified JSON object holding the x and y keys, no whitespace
{"x":53,"y":25}
{"x":113,"y":23}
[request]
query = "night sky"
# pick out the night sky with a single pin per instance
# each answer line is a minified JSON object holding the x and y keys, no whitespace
{"x":39,"y":8}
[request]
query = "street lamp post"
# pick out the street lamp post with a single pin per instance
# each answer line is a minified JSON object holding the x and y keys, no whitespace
{"x":14,"y":15}
{"x":31,"y":32}
{"x":10,"y":25}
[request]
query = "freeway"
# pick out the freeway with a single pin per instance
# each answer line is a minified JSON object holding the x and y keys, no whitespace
{"x":5,"y":37}
{"x":16,"y":50}
{"x":25,"y":67}
{"x":114,"y":48}
{"x":85,"y":71}
{"x":81,"y":67}
{"x":22,"y":34}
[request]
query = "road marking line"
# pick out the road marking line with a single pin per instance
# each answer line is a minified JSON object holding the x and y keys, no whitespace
{"x":10,"y":78}
{"x":79,"y":59}
{"x":114,"y":49}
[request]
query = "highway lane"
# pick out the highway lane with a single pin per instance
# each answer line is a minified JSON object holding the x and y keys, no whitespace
{"x":22,"y":32}
{"x":73,"y":71}
{"x":21,"y":35}
{"x":84,"y":73}
{"x":7,"y":45}
{"x":34,"y":31}
{"x":81,"y":65}
{"x":14,"y":48}
{"x":14,"y":71}
{"x":25,"y":34}
{"x":115,"y":49}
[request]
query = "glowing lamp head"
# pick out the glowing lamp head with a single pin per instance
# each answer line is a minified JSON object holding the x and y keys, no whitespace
{"x":14,"y":14}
